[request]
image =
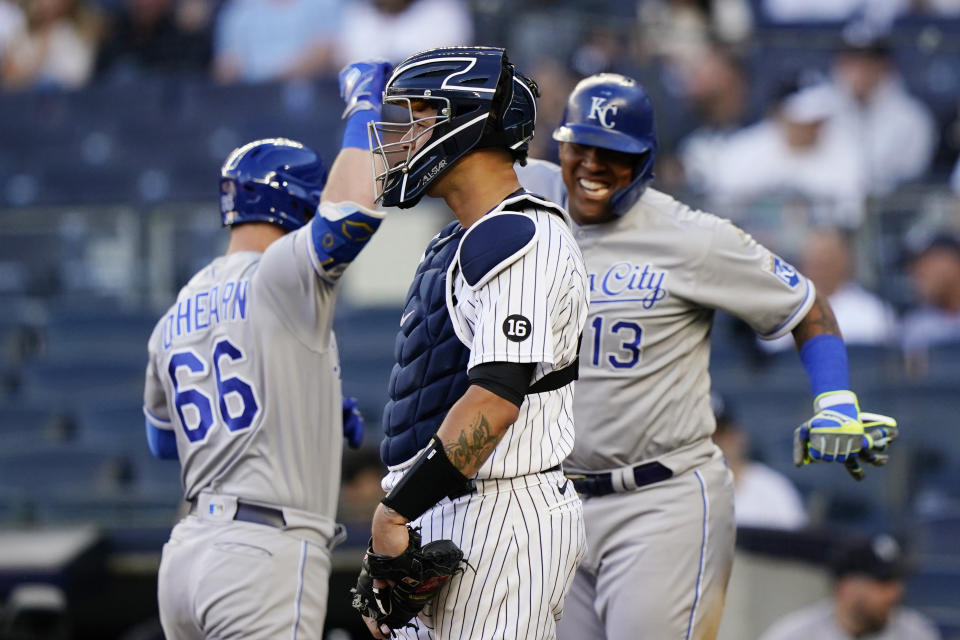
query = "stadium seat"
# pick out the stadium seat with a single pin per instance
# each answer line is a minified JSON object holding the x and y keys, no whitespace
{"x":109,"y":509}
{"x":32,"y":250}
{"x":32,"y":424}
{"x":943,"y":363}
{"x":365,"y":339}
{"x":69,"y":385}
{"x":939,"y":534}
{"x":154,"y":476}
{"x":934,"y":585}
{"x":61,"y":468}
{"x":117,"y":427}
{"x":925,"y":411}
{"x":931,"y":75}
{"x":14,"y":507}
{"x":120,"y":338}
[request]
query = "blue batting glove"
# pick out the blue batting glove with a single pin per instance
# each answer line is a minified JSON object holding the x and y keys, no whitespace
{"x":352,"y":422}
{"x":362,"y":84}
{"x":880,"y":431}
{"x":840,"y":433}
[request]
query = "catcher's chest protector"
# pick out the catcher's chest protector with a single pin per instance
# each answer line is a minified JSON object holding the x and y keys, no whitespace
{"x":430,"y":373}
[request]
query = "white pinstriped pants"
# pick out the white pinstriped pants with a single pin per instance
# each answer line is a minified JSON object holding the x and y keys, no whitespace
{"x":241,"y":580}
{"x":523,"y":538}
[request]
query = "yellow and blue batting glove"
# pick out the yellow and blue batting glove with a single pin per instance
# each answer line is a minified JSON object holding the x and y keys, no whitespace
{"x":840,"y":433}
{"x":880,"y":431}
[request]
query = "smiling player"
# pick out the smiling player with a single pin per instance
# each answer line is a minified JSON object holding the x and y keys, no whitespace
{"x":658,"y":498}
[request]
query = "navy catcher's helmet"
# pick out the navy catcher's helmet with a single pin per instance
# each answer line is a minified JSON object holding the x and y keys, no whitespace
{"x":612,"y":111}
{"x":275,"y":180}
{"x":481,"y":101}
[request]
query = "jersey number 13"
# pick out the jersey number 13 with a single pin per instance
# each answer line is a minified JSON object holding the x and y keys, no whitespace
{"x":629,"y":338}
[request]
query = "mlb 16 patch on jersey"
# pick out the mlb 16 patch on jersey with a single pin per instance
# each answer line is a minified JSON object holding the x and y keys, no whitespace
{"x":516,"y":327}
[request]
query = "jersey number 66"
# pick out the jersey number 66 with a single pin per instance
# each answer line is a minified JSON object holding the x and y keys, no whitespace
{"x":202,"y":402}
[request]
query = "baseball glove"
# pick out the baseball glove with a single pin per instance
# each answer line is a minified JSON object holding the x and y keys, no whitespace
{"x":415,"y":577}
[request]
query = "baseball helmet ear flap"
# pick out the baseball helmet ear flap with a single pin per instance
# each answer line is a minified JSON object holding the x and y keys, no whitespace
{"x":513,"y":114}
{"x":612,"y":111}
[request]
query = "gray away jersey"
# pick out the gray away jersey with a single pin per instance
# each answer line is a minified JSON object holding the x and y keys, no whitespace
{"x":244,"y":369}
{"x":655,"y":277}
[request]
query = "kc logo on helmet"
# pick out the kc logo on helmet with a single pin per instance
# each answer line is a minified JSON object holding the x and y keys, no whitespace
{"x":599,"y":109}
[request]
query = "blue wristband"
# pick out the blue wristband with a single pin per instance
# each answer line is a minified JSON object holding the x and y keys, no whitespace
{"x":355,"y":132}
{"x":162,"y":443}
{"x":825,"y":359}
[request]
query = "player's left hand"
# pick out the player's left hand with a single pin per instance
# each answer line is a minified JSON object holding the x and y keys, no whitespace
{"x":880,"y":430}
{"x":837,"y":434}
{"x":353,"y":423}
{"x":392,"y":589}
{"x":362,"y":84}
{"x":390,"y":536}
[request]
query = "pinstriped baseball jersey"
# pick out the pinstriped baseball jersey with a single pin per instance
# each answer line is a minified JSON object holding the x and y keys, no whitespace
{"x":532,"y":311}
{"x":655,"y":276}
{"x":244,"y":369}
{"x":521,"y":531}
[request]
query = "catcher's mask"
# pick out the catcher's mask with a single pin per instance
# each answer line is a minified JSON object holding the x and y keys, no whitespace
{"x":274,"y":180}
{"x":612,"y":111}
{"x":479,"y":99}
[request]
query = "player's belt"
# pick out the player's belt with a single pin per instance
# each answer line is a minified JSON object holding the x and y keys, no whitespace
{"x":601,"y":484}
{"x":254,"y":513}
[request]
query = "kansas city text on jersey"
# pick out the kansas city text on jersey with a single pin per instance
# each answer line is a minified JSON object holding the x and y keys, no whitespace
{"x":628,"y":282}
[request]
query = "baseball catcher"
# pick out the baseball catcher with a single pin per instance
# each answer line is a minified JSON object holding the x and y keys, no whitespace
{"x":486,"y":357}
{"x":392,"y":590}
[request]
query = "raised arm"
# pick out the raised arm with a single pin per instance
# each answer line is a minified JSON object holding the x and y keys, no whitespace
{"x":351,"y":177}
{"x":347,"y":216}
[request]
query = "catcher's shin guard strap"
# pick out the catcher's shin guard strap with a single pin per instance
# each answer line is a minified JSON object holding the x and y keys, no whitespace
{"x":431,"y":478}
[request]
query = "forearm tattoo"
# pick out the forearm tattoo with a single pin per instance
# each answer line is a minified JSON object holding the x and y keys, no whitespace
{"x":473,"y":446}
{"x":818,"y":321}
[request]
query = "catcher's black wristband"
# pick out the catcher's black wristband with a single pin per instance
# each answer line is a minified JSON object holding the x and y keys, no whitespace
{"x":431,"y":478}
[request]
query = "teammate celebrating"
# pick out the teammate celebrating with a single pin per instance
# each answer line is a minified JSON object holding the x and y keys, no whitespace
{"x":658,"y":499}
{"x":479,"y":416}
{"x":243,"y":386}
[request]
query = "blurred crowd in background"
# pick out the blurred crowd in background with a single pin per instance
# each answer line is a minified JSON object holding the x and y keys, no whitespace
{"x":780,"y":114}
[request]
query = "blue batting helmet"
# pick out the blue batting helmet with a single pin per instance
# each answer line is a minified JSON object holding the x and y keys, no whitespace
{"x":275,"y":180}
{"x":482,"y":101}
{"x":612,"y":111}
